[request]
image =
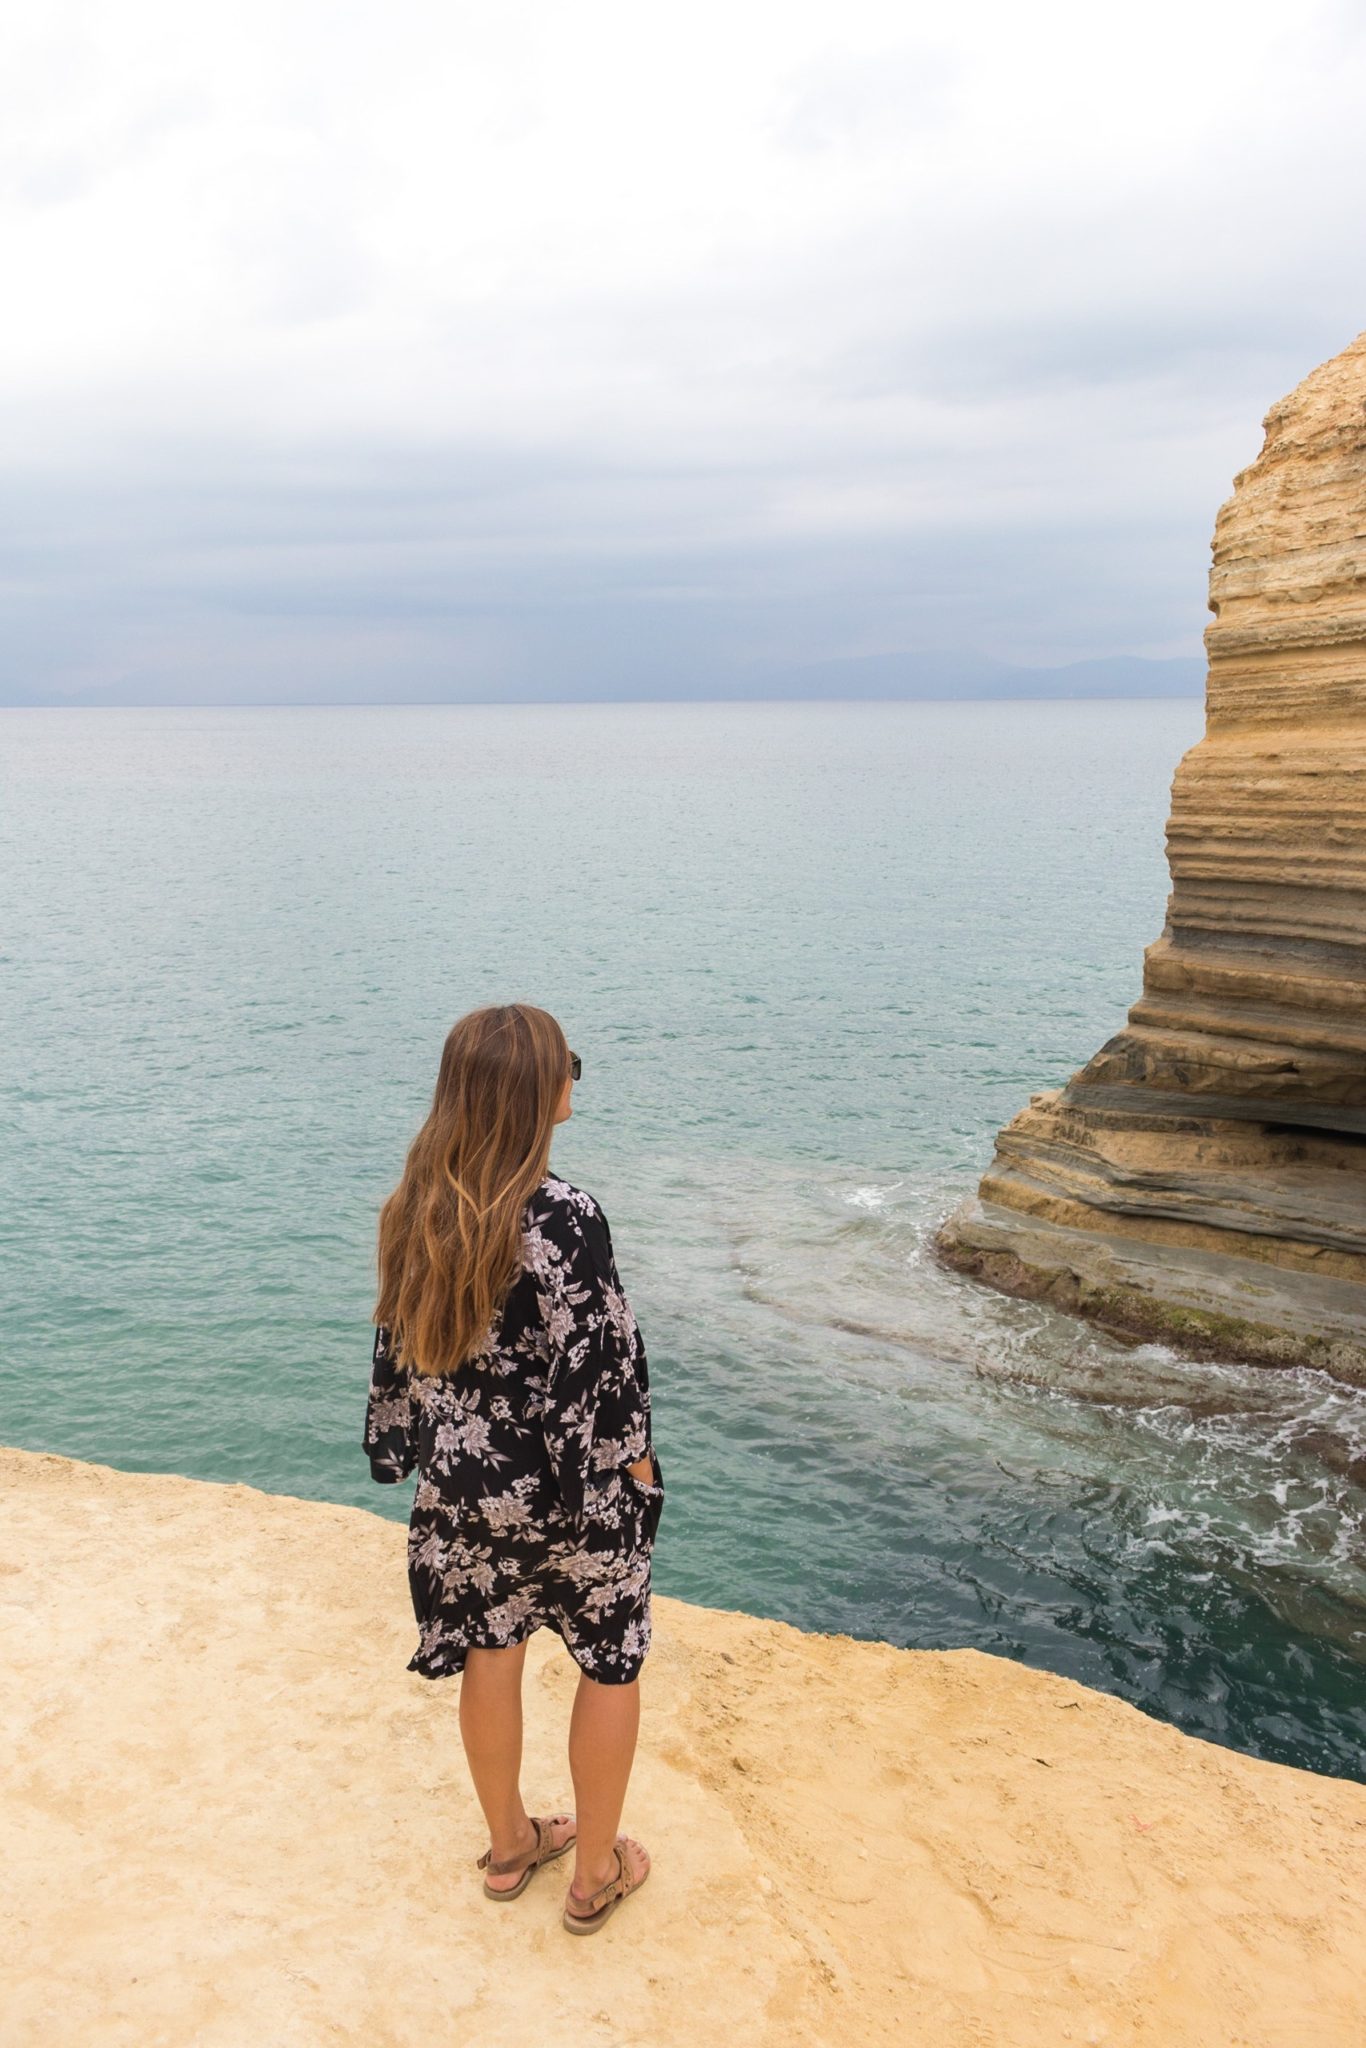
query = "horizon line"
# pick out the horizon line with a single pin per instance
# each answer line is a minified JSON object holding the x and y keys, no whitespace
{"x":572,"y":703}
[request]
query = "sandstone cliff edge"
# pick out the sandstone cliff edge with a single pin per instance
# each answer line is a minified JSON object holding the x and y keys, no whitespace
{"x":231,"y":1817}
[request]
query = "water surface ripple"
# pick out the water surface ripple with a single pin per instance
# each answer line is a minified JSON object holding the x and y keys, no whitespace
{"x":812,"y":956}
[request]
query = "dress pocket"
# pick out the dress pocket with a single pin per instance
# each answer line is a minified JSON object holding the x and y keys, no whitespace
{"x":649,"y":1498}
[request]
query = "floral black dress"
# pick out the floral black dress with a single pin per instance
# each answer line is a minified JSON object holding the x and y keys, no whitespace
{"x":524,"y":1514}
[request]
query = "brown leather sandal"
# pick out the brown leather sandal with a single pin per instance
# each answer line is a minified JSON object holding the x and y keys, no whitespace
{"x":612,"y":1893}
{"x":542,"y":1853}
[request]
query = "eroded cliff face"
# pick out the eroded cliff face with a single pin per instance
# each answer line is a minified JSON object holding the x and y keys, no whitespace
{"x":1203,"y":1178}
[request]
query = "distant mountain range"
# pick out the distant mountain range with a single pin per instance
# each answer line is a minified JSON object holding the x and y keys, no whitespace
{"x":882,"y":677}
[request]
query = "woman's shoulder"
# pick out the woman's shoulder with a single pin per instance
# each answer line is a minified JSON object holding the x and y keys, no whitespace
{"x":560,"y":1197}
{"x":571,"y":1220}
{"x":567,"y":1229}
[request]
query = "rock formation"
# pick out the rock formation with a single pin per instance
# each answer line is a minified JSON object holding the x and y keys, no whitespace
{"x":1202,"y":1179}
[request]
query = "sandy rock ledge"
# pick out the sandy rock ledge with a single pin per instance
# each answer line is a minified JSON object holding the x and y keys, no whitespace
{"x":232,"y":1817}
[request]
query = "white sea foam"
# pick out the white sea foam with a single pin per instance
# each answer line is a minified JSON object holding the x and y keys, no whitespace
{"x":870,"y":1197}
{"x":1215,"y":1466}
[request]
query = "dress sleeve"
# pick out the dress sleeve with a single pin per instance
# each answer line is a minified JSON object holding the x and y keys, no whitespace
{"x":390,"y":1437}
{"x":597,"y":1415}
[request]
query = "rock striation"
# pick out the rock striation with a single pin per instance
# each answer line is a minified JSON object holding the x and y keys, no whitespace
{"x":1203,"y":1178}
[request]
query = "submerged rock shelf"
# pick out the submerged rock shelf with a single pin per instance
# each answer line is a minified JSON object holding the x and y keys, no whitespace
{"x":1203,"y":1178}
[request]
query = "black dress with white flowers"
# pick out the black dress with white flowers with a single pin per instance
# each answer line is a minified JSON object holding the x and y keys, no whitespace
{"x":525,"y":1515}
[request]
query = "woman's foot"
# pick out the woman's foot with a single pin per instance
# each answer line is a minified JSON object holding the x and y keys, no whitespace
{"x":561,"y":1827}
{"x":581,"y":1904}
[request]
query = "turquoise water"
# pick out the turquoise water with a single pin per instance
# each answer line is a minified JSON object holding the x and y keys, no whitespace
{"x":812,"y":956}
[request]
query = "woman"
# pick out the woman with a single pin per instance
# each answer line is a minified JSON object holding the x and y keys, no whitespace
{"x":508,"y":1369}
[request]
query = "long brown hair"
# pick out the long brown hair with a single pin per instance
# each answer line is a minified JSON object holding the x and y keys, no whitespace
{"x":450,"y":1233}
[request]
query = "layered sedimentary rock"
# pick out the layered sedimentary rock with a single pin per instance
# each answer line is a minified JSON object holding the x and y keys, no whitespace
{"x":1203,"y":1177}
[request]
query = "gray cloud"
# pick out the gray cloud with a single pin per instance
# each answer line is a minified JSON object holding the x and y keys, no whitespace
{"x":417,"y":580}
{"x":851,"y":366}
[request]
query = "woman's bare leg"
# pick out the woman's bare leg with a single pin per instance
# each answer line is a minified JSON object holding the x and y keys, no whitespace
{"x":491,"y":1730}
{"x":602,"y":1746}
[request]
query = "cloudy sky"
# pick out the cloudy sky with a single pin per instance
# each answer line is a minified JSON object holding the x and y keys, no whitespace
{"x":441,"y":350}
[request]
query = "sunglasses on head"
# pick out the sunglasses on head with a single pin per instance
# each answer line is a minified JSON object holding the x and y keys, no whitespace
{"x":575,"y":1067}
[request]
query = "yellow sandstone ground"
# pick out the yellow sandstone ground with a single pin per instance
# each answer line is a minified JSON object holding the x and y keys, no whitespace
{"x":232,"y":1817}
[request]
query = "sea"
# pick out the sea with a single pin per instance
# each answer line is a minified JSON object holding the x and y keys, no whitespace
{"x":812,"y":957}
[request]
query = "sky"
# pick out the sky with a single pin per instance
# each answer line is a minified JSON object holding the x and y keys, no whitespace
{"x":443,"y":351}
